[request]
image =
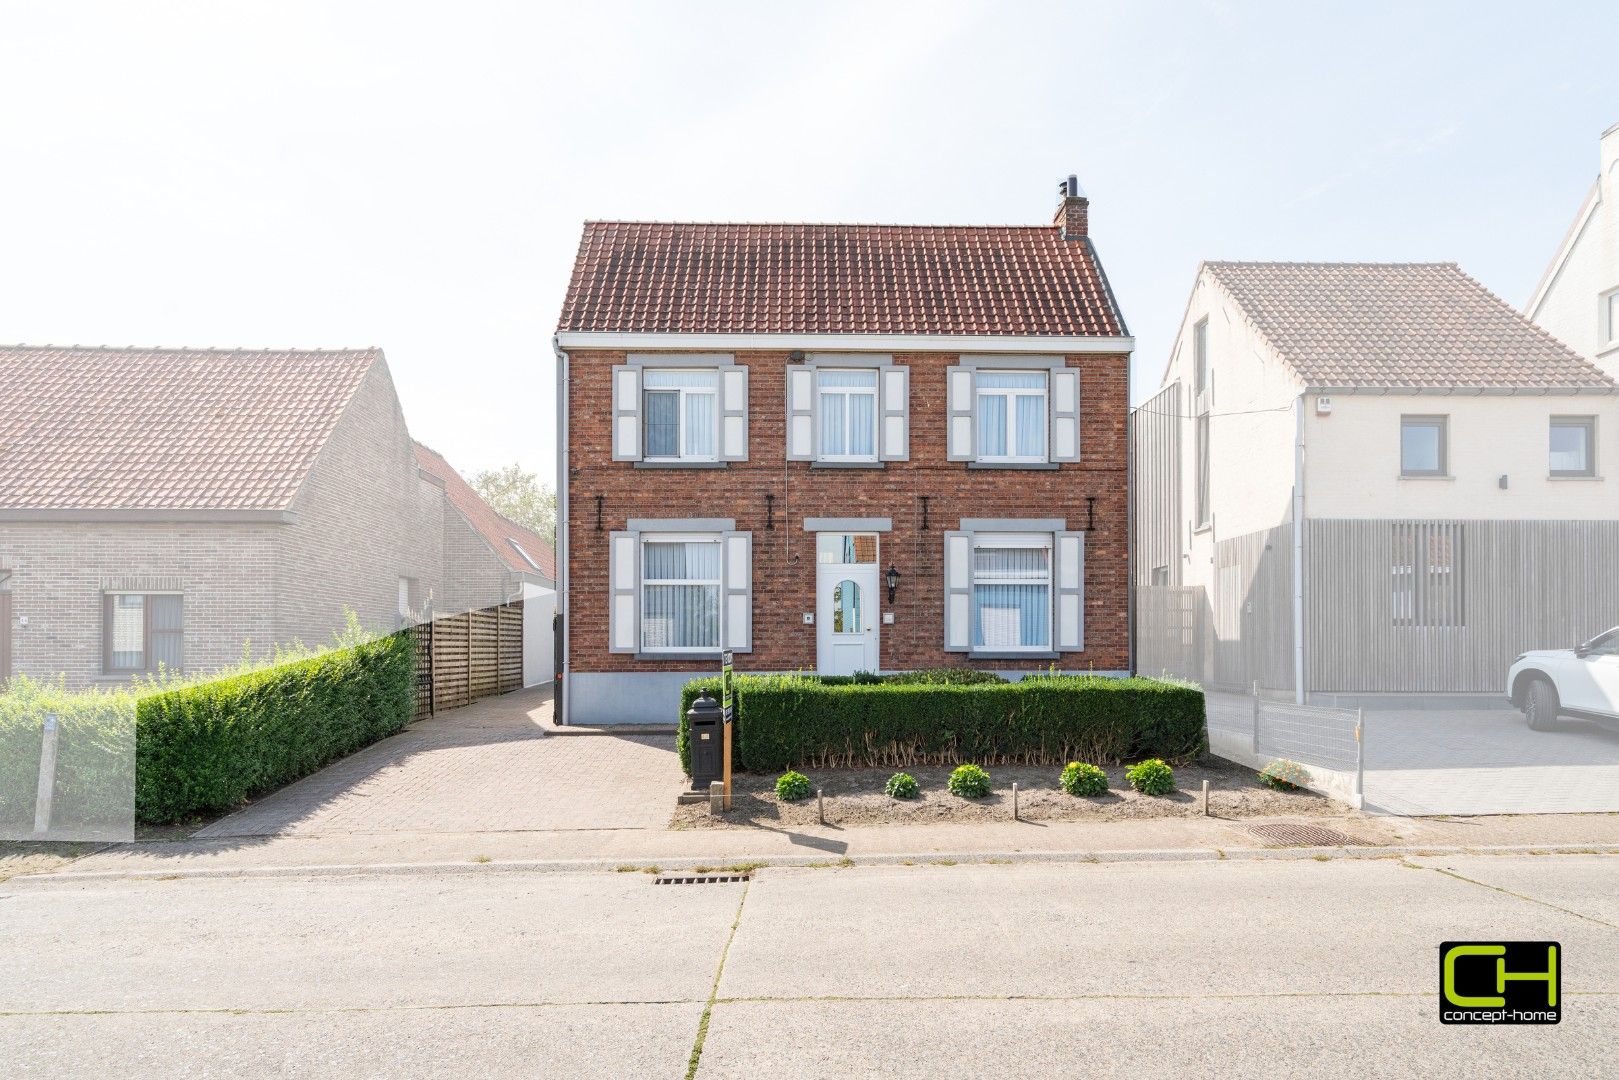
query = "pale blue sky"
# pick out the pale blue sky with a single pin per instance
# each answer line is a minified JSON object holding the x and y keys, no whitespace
{"x":413,"y":175}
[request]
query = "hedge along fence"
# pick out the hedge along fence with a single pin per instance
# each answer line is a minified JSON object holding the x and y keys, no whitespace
{"x":208,"y":747}
{"x":793,"y":720}
{"x":95,"y":757}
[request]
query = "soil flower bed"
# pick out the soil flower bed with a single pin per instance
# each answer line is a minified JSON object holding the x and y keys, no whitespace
{"x":855,"y":797}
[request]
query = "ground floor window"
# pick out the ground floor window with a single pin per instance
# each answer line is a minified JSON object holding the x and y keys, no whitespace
{"x":680,"y":594}
{"x":142,"y":632}
{"x":1011,"y":593}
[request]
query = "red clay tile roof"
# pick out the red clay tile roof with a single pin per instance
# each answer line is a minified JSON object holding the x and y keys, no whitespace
{"x":662,"y":277}
{"x":508,"y":539}
{"x":1398,"y":325}
{"x":170,"y":429}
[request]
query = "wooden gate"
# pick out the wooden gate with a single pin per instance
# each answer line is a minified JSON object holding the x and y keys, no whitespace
{"x":461,"y":658}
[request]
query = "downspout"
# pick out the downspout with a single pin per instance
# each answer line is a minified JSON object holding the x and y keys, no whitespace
{"x":1130,"y":495}
{"x":1298,"y":554}
{"x":563,"y":688}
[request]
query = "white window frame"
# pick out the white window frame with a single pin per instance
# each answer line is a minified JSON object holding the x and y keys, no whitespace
{"x":1608,"y":319}
{"x":997,"y":540}
{"x":718,"y":582}
{"x":1044,"y":394}
{"x":848,"y":392}
{"x":680,"y":417}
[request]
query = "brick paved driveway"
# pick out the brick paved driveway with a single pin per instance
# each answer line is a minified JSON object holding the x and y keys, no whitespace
{"x":490,"y":767}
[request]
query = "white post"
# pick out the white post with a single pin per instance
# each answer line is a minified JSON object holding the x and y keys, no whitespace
{"x":1205,"y":798}
{"x":47,"y":776}
{"x":1014,"y":801}
{"x":716,"y":798}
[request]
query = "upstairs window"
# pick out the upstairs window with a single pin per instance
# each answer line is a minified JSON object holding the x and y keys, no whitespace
{"x":1423,"y":450}
{"x":1012,"y":416}
{"x":847,"y":402}
{"x":1573,"y":444}
{"x":142,"y":632}
{"x":682,"y":414}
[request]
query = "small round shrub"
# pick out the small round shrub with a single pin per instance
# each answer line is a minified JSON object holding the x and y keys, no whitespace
{"x":1079,"y":778}
{"x":1284,"y":775}
{"x":901,"y":786}
{"x":970,"y":782}
{"x":793,"y":787}
{"x":1151,"y":777}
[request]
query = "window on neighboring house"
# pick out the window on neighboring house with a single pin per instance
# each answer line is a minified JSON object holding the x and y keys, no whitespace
{"x":1160,"y":575}
{"x":1012,"y":416}
{"x":848,"y":414}
{"x":1204,"y":510}
{"x":1422,"y":446}
{"x":1202,"y":410}
{"x":1573,"y":446}
{"x":1428,"y":586}
{"x":1609,"y":318}
{"x":407,"y":597}
{"x":1200,"y":357}
{"x":142,"y":632}
{"x":680,"y":595}
{"x":682,"y":414}
{"x":1011,"y":594}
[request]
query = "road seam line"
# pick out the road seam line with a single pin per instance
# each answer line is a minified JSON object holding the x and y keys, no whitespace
{"x":1516,"y":895}
{"x":714,"y":990}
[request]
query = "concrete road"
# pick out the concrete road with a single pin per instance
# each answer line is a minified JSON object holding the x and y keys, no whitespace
{"x":1235,"y":968}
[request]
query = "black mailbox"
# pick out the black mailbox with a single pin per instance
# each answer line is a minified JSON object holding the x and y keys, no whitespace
{"x":703,"y":723}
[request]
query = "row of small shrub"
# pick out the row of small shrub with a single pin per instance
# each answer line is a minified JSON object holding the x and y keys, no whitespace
{"x":947,"y":718}
{"x":1150,"y":777}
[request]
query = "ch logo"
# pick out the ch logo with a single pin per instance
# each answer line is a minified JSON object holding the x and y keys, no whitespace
{"x":1512,"y":982}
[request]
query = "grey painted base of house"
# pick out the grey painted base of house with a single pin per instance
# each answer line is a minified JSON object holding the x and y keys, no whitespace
{"x":601,"y":698}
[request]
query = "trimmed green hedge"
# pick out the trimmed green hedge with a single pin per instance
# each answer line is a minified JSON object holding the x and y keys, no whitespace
{"x":95,"y":755}
{"x":800,"y":721}
{"x":208,"y":747}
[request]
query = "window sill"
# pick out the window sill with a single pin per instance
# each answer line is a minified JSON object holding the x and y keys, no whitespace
{"x":643,"y":464}
{"x":1014,"y":656}
{"x":700,"y":654}
{"x":846,"y":464}
{"x":1571,"y":476}
{"x":1424,"y":476}
{"x":1036,"y":465}
{"x":1199,"y":530}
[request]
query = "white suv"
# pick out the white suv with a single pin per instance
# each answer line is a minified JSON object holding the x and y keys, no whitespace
{"x":1582,"y":681}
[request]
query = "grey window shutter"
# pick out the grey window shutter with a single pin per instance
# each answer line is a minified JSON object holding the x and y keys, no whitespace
{"x":800,"y":413}
{"x":960,"y":395}
{"x":624,"y":588}
{"x":1069,"y":617}
{"x":1065,"y":414}
{"x":895,"y":388}
{"x":734,"y":415}
{"x":626,"y":413}
{"x":958,"y":616}
{"x":737,"y":575}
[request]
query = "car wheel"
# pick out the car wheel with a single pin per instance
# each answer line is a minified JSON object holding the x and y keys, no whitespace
{"x":1540,"y":705}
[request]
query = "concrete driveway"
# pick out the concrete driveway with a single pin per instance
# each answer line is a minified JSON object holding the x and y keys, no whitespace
{"x":1238,"y":968}
{"x":1465,"y":761}
{"x":494,"y":766}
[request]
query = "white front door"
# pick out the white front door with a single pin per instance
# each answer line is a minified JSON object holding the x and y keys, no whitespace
{"x":846,"y":609}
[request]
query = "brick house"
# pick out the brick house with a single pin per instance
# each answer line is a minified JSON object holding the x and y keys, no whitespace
{"x":168,"y":506}
{"x":838,"y":448}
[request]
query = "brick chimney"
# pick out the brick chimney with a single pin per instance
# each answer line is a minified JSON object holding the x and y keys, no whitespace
{"x":1073,"y":209}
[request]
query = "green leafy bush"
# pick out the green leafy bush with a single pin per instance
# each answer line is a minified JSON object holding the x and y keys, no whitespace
{"x":949,"y":676}
{"x":901,"y":786}
{"x":1079,"y":778}
{"x":970,"y":782}
{"x":793,"y":787}
{"x":94,"y":787}
{"x":1285,"y":775}
{"x":1151,"y":777}
{"x":207,"y":747}
{"x":801,"y":720}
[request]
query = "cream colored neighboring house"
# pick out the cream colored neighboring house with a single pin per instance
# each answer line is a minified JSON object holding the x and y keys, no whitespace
{"x":1369,"y":478}
{"x":1578,"y":297}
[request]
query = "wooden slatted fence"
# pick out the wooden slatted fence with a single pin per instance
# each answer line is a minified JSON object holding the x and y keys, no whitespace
{"x":462,"y":658}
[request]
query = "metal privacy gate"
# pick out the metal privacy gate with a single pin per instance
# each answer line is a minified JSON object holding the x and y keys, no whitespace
{"x":461,"y":658}
{"x":1329,"y":743}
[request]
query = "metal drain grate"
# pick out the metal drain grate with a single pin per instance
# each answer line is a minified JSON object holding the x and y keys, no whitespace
{"x":1285,"y":835}
{"x":698,"y":879}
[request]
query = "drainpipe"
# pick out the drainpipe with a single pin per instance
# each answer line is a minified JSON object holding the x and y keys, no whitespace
{"x":1298,"y":554}
{"x":562,"y":689}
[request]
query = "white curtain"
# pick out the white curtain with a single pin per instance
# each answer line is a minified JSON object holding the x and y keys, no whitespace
{"x":1031,"y":426}
{"x":992,"y":425}
{"x":685,"y":615}
{"x":700,"y":425}
{"x":1011,"y":598}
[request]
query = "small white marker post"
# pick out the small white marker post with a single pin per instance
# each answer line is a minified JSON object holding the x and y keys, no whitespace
{"x":1014,"y":802}
{"x":716,"y":797}
{"x":47,"y":776}
{"x":1205,"y":798}
{"x":820,"y":805}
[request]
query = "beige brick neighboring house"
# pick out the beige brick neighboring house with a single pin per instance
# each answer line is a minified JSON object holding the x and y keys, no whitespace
{"x":174,"y":506}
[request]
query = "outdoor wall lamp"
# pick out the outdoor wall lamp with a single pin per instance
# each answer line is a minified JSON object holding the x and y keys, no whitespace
{"x":892,"y":580}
